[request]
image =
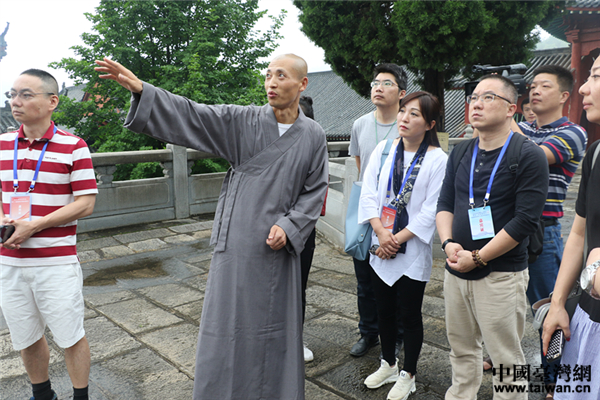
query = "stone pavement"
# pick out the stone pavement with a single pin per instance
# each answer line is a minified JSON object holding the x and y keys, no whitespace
{"x":144,"y":289}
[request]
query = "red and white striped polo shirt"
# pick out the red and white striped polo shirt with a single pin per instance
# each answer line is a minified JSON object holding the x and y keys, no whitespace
{"x":66,"y":171}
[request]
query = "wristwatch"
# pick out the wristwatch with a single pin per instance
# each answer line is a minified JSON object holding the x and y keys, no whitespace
{"x":587,"y":276}
{"x":446,"y":242}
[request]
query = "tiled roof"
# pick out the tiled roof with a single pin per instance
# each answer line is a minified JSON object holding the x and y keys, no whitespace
{"x":583,"y":4}
{"x":6,"y":119}
{"x":74,"y":92}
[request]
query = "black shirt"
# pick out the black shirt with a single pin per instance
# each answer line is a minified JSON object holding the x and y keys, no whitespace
{"x":587,"y":207}
{"x":516,"y":200}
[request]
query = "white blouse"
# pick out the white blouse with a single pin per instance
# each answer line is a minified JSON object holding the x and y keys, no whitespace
{"x":416,"y":262}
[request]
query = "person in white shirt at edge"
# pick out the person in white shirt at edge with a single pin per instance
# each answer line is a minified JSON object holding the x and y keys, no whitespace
{"x":582,"y":332}
{"x":401,"y":256}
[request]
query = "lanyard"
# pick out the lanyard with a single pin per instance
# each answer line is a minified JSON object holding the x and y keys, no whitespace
{"x":489,"y":187}
{"x":386,"y":135}
{"x":37,"y":168}
{"x":389,"y":187}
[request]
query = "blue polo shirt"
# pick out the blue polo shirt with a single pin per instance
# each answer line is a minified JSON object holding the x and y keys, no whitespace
{"x":567,"y":141}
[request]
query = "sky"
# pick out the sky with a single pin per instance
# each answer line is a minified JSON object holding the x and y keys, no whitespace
{"x":33,"y":43}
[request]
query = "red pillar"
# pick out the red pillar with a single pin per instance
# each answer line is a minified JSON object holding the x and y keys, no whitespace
{"x":576,"y":108}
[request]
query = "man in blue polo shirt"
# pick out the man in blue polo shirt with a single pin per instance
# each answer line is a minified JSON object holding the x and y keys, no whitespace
{"x":564,"y":144}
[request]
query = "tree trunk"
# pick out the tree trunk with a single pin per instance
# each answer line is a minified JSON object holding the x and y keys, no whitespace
{"x":434,"y":83}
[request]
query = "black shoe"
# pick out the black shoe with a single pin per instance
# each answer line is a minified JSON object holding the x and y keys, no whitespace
{"x":399,"y":347}
{"x":363,"y":345}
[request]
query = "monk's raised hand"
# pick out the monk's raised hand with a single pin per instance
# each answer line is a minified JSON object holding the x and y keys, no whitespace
{"x":119,"y":74}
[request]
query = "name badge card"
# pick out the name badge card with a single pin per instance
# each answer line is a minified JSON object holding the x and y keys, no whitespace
{"x":20,"y":206}
{"x":482,"y":224}
{"x":388,"y":215}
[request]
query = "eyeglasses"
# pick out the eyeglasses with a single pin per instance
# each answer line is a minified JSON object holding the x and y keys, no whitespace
{"x":486,"y":98}
{"x":385,"y":84}
{"x":23,"y":94}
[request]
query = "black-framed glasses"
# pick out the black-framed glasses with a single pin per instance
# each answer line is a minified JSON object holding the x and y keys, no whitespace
{"x":486,"y":98}
{"x":23,"y":94}
{"x":386,"y":84}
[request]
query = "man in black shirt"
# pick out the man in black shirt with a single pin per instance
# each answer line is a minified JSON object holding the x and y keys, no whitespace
{"x":485,"y":214}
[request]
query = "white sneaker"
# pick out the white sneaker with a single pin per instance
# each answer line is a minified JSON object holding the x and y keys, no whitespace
{"x":405,"y":385}
{"x":385,"y":374}
{"x":308,"y":355}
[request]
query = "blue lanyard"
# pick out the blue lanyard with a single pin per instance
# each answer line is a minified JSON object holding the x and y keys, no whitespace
{"x":489,"y":187}
{"x":37,"y":168}
{"x":389,"y":187}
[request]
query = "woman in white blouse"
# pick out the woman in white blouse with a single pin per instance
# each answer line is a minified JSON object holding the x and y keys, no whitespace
{"x":400,"y":203}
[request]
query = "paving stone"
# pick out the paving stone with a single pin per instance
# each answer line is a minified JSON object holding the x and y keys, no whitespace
{"x":198,"y":257}
{"x":313,"y":312}
{"x":198,"y":226}
{"x":434,"y":307}
{"x":147,"y":245}
{"x":333,"y":279}
{"x":106,"y":339}
{"x":138,"y":315}
{"x":434,"y":368}
{"x":177,"y":239}
{"x":88,"y":255}
{"x":334,"y":329}
{"x":176,"y":343}
{"x":199,"y":281}
{"x":93,"y":244}
{"x":192,"y":310}
{"x":99,"y":299}
{"x":116,"y":251}
{"x":16,"y":388}
{"x":435,"y":332}
{"x":339,"y":263}
{"x":87,"y":314}
{"x":327,"y":355}
{"x":349,"y":377}
{"x":12,"y":365}
{"x":315,"y":392}
{"x":202,"y":234}
{"x":128,"y":238}
{"x":438,"y":270}
{"x":141,"y":374}
{"x":334,"y":300}
{"x":435,"y":288}
{"x":172,"y":294}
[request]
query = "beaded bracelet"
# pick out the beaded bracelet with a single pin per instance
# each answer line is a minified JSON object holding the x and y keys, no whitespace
{"x":477,"y":259}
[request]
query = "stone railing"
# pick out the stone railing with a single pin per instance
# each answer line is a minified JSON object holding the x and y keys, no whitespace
{"x":179,"y":194}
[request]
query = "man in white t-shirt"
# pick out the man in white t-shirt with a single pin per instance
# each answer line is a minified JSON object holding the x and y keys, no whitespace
{"x":387,"y":89}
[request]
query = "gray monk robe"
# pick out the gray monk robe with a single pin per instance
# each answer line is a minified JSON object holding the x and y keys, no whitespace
{"x":250,"y":340}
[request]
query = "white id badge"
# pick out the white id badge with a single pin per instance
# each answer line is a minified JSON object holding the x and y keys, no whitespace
{"x":20,"y":206}
{"x":482,"y":224}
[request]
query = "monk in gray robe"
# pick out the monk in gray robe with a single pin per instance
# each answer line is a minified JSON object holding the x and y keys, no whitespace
{"x":250,"y":340}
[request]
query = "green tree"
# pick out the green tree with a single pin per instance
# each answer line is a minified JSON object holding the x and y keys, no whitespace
{"x":206,"y":50}
{"x":435,"y":39}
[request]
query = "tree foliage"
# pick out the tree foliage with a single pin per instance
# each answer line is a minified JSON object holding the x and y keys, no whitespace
{"x":435,"y":39}
{"x":206,"y":50}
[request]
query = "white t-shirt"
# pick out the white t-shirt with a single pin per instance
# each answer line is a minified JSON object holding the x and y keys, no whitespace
{"x":283,"y":128}
{"x":364,"y":137}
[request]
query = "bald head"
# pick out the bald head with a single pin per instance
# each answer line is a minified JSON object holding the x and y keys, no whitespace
{"x":299,"y":65}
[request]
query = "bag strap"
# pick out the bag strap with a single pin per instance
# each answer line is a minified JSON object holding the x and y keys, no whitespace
{"x":460,"y":150}
{"x":514,"y":151}
{"x":384,"y":155}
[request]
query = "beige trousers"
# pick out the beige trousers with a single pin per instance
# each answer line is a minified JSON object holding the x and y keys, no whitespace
{"x":491,"y":309}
